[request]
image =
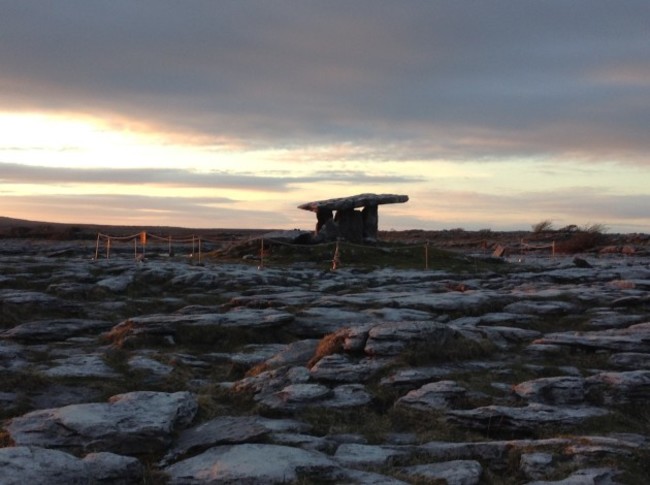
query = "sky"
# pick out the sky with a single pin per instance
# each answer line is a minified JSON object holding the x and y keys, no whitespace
{"x":488,"y":114}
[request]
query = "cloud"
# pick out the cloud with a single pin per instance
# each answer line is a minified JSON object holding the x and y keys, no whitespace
{"x":18,"y":173}
{"x":29,"y":174}
{"x":422,"y":80}
{"x":119,"y":209}
{"x":519,"y":210}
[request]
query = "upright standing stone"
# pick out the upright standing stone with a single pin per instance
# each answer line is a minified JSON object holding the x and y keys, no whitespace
{"x":370,"y":215}
{"x":322,"y":217}
{"x":350,"y":225}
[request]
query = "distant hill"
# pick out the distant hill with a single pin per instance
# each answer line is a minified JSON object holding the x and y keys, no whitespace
{"x":21,"y":228}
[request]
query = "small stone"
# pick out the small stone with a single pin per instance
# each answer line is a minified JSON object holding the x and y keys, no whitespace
{"x":433,"y":396}
{"x":536,"y":466}
{"x":457,"y":472}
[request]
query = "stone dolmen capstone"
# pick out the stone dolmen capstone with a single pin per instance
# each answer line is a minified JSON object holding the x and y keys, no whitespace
{"x":348,"y":223}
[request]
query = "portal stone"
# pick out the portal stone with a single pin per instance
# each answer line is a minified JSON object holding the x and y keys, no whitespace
{"x":348,"y":223}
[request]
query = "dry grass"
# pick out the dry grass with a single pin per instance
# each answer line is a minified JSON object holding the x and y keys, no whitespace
{"x":330,"y":344}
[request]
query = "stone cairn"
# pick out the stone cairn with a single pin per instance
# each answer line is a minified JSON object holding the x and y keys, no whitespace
{"x":338,"y":218}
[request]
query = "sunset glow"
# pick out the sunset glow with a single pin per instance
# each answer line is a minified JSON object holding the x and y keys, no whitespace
{"x":224,"y":131}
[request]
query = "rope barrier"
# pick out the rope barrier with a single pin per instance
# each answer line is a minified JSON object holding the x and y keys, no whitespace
{"x":536,"y":247}
{"x":144,"y":236}
{"x":197,"y":242}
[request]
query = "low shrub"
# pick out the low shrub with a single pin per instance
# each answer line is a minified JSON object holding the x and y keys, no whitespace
{"x":543,"y":226}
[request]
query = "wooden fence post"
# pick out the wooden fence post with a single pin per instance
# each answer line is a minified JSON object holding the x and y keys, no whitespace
{"x":426,"y":255}
{"x":336,"y":260}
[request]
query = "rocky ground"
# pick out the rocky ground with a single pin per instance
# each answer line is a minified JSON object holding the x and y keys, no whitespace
{"x":522,"y":369}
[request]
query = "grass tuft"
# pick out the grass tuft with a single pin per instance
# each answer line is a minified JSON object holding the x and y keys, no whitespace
{"x":329,"y":345}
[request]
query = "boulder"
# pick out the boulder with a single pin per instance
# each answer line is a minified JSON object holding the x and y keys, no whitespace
{"x":131,"y":423}
{"x":32,"y":464}
{"x":114,"y":469}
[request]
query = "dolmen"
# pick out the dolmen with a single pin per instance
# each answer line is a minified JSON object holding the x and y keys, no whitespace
{"x":340,"y":219}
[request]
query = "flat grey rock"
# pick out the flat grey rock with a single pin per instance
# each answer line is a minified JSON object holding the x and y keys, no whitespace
{"x":302,"y":395}
{"x":635,"y":338}
{"x":433,"y":396}
{"x":250,"y":355}
{"x":149,"y":366}
{"x":359,"y":455}
{"x":159,"y":326}
{"x":271,"y":381}
{"x":523,"y":419}
{"x":368,"y":478}
{"x":536,"y":465}
{"x":251,"y":463}
{"x":85,"y":366}
{"x":319,"y":321}
{"x":295,"y":353}
{"x":12,"y":356}
{"x":416,"y":377}
{"x":631,"y":360}
{"x":457,"y":472}
{"x":588,"y":476}
{"x":31,"y":464}
{"x":616,"y":388}
{"x":389,"y":339}
{"x":347,"y":396}
{"x":55,"y":329}
{"x":352,"y":202}
{"x":303,"y":342}
{"x":535,"y":307}
{"x":218,"y":431}
{"x":552,"y":390}
{"x":131,"y":423}
{"x":341,"y":368}
{"x":59,"y":395}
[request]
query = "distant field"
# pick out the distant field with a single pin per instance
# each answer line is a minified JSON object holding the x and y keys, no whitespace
{"x":454,"y":238}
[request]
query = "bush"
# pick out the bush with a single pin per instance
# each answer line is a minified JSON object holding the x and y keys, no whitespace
{"x":543,"y":226}
{"x":583,"y":239}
